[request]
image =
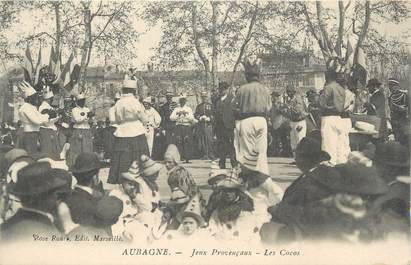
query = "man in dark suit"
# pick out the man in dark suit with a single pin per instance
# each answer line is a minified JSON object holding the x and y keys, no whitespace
{"x":378,"y":106}
{"x":88,"y":190}
{"x":168,"y":125}
{"x":224,"y":125}
{"x":38,"y":190}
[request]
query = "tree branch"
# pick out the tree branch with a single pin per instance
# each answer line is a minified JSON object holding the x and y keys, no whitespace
{"x":196,"y":40}
{"x":98,"y":10}
{"x":246,"y":41}
{"x":327,"y":42}
{"x":364,"y":30}
{"x":108,"y":22}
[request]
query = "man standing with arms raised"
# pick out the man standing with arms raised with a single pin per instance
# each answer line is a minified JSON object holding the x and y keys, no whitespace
{"x":130,"y":139}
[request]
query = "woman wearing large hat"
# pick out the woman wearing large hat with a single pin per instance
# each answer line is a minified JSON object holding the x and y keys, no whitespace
{"x":130,"y":135}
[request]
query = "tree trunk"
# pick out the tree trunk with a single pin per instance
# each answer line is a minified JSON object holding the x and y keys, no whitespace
{"x":363,"y":32}
{"x":197,"y":45}
{"x":86,"y":49}
{"x":215,"y":45}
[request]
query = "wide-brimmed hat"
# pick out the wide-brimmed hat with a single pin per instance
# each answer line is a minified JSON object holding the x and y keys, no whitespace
{"x":35,"y":179}
{"x":108,"y":210}
{"x":148,"y":166}
{"x":130,"y":84}
{"x":311,"y":149}
{"x":86,"y":162}
{"x":373,"y":82}
{"x":193,"y":210}
{"x":393,"y":154}
{"x":133,"y":172}
{"x":361,"y":127}
{"x":354,"y":179}
{"x":14,"y":154}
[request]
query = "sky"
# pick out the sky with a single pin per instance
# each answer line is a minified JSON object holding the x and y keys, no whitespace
{"x":150,"y":37}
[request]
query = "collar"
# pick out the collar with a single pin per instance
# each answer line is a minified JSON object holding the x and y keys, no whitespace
{"x":85,"y":188}
{"x":127,"y":95}
{"x":48,"y":215}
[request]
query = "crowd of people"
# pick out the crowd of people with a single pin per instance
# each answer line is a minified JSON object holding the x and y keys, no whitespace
{"x":354,"y":185}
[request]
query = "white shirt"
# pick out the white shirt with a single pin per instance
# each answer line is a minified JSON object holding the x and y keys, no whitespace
{"x":51,"y":124}
{"x":31,"y":118}
{"x":130,"y":117}
{"x":183,"y":119}
{"x":112,"y":116}
{"x":153,"y":118}
{"x":80,"y":121}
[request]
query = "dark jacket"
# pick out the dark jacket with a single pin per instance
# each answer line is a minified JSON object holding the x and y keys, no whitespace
{"x":224,"y":113}
{"x":82,"y":207}
{"x":25,"y":225}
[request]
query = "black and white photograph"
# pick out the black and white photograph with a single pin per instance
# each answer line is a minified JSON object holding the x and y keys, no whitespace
{"x":205,"y":132}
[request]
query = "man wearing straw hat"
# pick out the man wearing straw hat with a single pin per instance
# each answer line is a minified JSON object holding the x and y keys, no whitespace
{"x":130,"y":136}
{"x":31,"y":119}
{"x":49,"y":142}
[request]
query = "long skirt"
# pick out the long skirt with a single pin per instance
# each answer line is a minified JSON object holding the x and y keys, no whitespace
{"x":183,"y":137}
{"x":250,"y":140}
{"x":126,"y":150}
{"x":30,"y":142}
{"x":81,"y":141}
{"x":49,"y":143}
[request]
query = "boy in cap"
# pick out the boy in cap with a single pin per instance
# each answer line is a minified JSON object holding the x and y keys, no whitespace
{"x":184,"y":118}
{"x":37,"y":189}
{"x":49,"y":142}
{"x":130,"y":136}
{"x":88,"y":190}
{"x":81,"y":140}
{"x":31,"y":119}
{"x":205,"y":117}
{"x":153,"y":122}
